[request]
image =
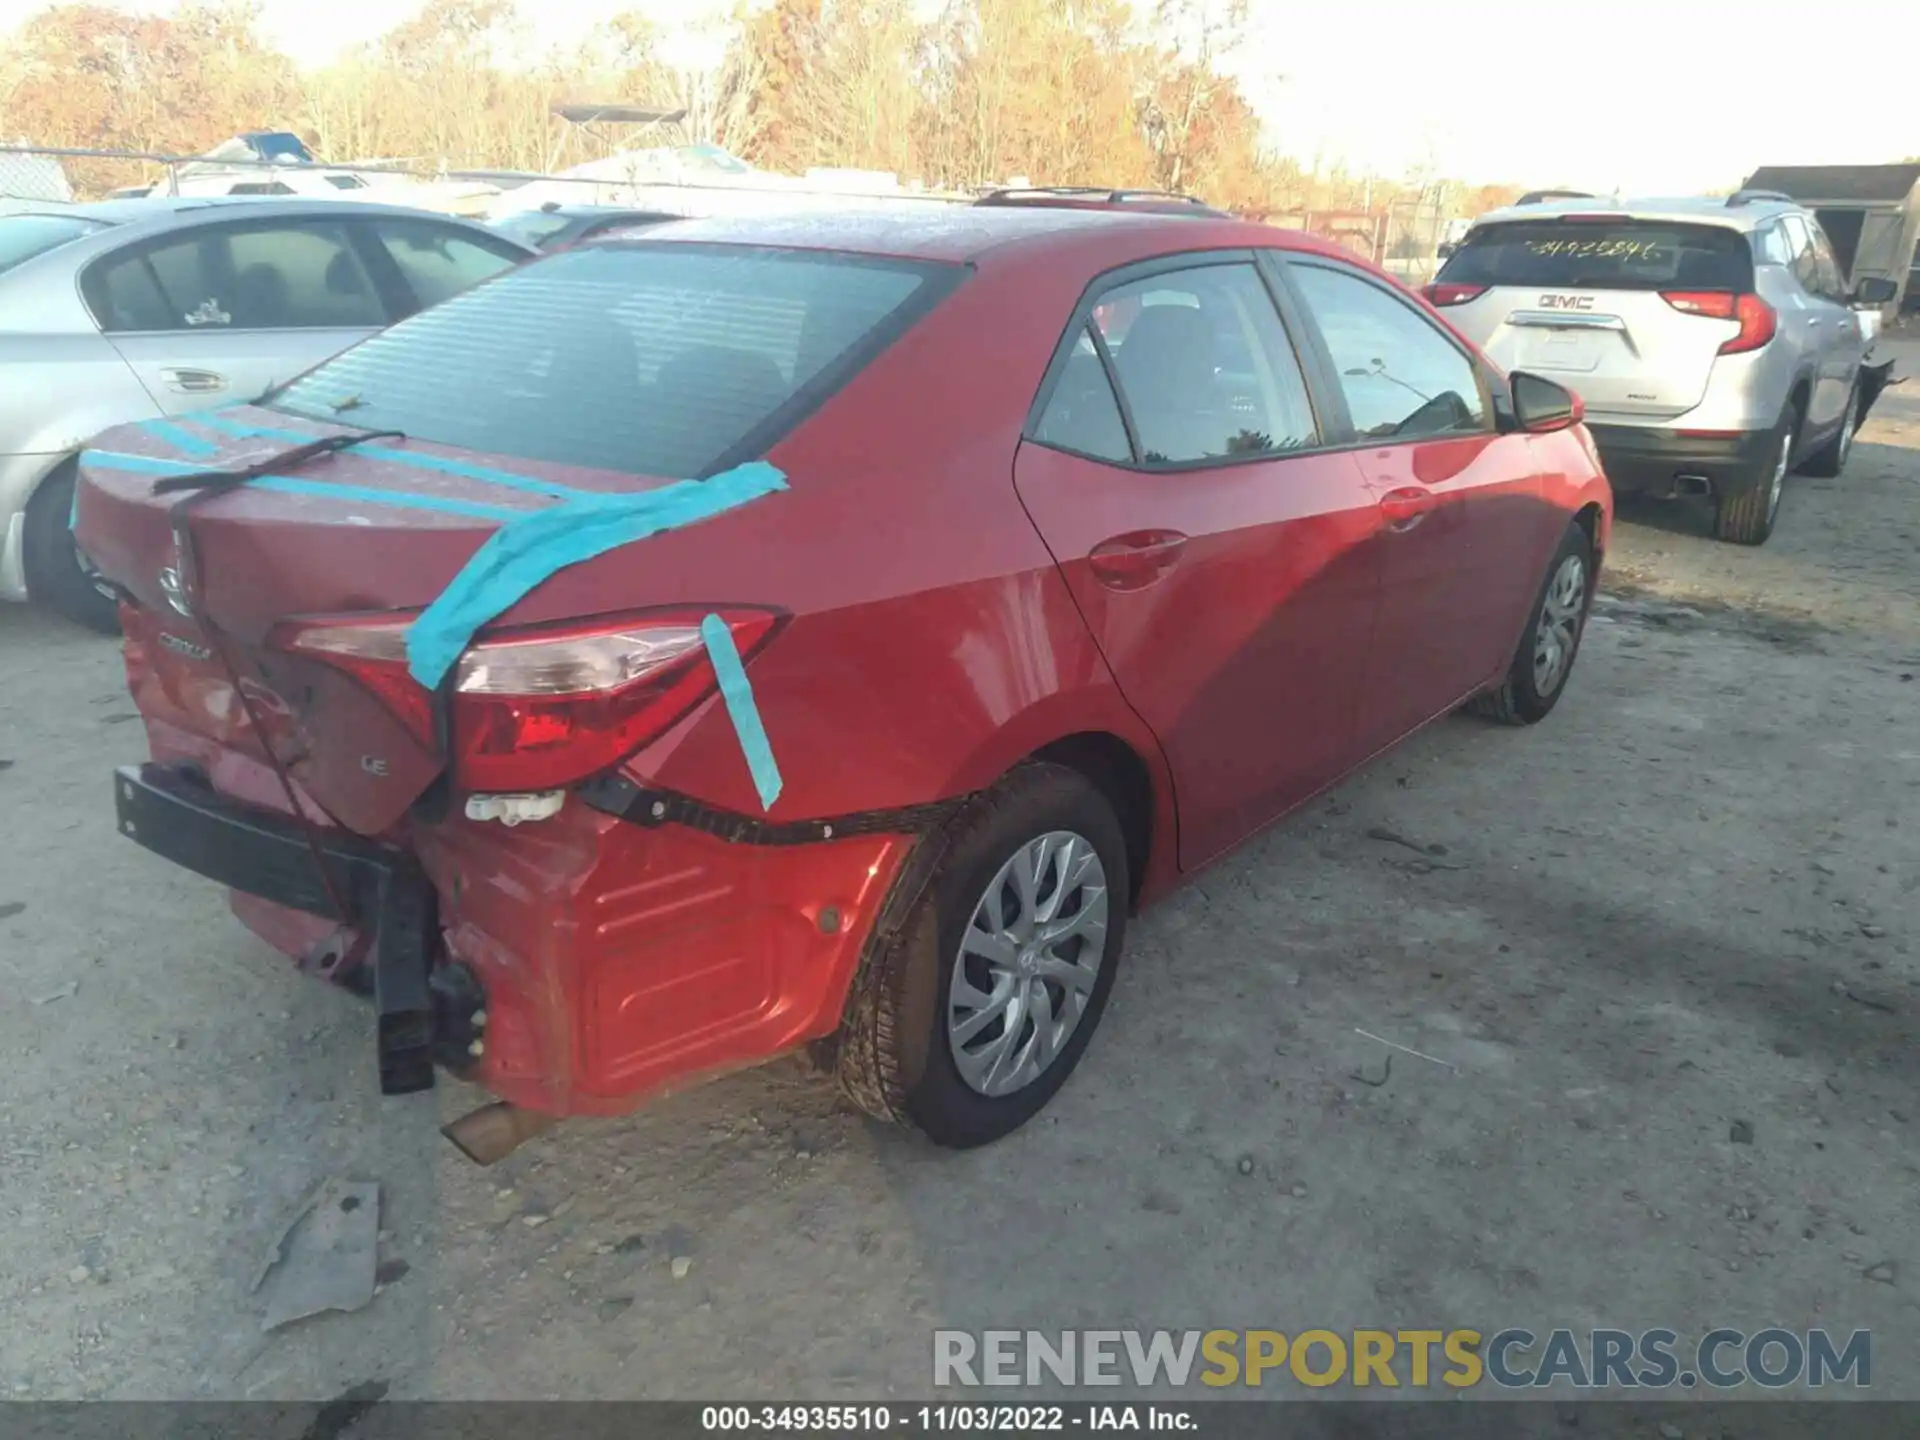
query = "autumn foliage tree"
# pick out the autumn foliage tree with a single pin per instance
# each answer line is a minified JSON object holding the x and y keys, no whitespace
{"x":1136,"y":93}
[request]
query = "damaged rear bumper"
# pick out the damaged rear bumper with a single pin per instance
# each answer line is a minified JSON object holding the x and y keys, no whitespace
{"x":626,"y":947}
{"x":172,"y":811}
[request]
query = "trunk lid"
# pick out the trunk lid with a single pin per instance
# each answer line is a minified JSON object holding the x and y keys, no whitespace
{"x":1582,"y":300}
{"x":381,"y":527}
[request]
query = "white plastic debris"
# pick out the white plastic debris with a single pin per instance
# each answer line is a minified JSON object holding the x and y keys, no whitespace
{"x":515,"y":809}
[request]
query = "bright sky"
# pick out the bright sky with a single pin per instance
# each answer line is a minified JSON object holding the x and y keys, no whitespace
{"x":1649,"y":96}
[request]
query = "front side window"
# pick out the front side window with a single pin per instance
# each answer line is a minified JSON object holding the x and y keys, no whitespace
{"x":1804,"y":260}
{"x":533,"y":227}
{"x":295,"y":275}
{"x":438,"y":261}
{"x":1828,"y":280}
{"x":1206,"y":366}
{"x":647,"y":359}
{"x":1401,"y":377}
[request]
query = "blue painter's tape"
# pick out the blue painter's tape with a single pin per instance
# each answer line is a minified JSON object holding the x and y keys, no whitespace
{"x":181,"y":438}
{"x":289,"y":485}
{"x":737,"y":691}
{"x":436,"y":463}
{"x":136,"y":464}
{"x":540,"y":543}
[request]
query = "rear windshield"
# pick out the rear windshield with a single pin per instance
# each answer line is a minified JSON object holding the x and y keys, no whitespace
{"x":24,"y":236}
{"x":1591,"y":255}
{"x":667,"y":360}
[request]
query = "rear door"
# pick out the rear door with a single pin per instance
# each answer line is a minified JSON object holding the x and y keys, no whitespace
{"x":1590,"y":301}
{"x":1221,"y":554}
{"x":1841,"y":345}
{"x":220,"y":313}
{"x":1464,"y":531}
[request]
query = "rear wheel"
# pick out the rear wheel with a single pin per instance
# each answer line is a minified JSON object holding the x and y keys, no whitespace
{"x":1745,"y":515}
{"x":57,"y":575}
{"x":968,"y":1017}
{"x":1831,"y":458}
{"x":1538,"y":675}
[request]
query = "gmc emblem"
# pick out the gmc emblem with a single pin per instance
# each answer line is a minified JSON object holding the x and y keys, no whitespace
{"x":1566,"y":302}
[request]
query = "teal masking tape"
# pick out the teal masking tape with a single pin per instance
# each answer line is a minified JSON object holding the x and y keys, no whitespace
{"x":737,"y":691}
{"x":540,"y":543}
{"x":436,"y":463}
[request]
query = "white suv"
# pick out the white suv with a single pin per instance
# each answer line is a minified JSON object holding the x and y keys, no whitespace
{"x":1715,"y":342}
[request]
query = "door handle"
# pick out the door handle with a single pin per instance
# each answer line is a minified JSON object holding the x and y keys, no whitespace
{"x":1406,"y":508}
{"x":185,"y":381}
{"x":1136,"y":559}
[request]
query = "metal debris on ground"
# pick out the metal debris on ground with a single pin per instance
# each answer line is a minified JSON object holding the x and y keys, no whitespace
{"x":1406,"y":1050}
{"x":327,"y":1257}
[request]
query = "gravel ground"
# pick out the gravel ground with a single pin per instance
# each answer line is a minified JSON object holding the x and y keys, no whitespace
{"x":1682,"y":910}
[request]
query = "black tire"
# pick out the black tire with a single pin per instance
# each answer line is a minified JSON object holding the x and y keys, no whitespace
{"x":1746,"y":513}
{"x":55,"y":575}
{"x":895,"y":1057}
{"x":1520,"y":699}
{"x":1831,"y":458}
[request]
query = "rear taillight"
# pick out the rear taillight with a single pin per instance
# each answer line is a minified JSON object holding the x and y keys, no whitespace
{"x":1445,"y":293}
{"x":1756,"y":317}
{"x":541,"y":709}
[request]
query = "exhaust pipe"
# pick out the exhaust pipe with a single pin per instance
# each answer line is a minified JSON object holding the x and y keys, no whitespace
{"x":1692,"y":485}
{"x":493,"y":1132}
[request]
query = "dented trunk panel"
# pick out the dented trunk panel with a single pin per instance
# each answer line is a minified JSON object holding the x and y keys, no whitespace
{"x":266,"y":554}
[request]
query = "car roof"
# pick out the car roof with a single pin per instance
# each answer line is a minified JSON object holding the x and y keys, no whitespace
{"x":1732,"y":212}
{"x":959,"y":234}
{"x":168,"y":212}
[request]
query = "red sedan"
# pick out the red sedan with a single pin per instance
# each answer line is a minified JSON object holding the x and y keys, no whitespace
{"x":715,"y":640}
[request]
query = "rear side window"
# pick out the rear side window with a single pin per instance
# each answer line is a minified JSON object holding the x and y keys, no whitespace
{"x":650,"y":359}
{"x":1082,"y":415}
{"x":1595,"y":255}
{"x":24,"y":236}
{"x":1205,"y":365}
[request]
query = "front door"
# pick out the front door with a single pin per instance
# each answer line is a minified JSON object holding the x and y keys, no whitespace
{"x":1221,"y":557}
{"x":1464,"y":530}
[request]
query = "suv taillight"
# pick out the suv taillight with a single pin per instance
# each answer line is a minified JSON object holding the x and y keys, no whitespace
{"x":1756,"y":317}
{"x":1443,"y":293}
{"x":543,"y":708}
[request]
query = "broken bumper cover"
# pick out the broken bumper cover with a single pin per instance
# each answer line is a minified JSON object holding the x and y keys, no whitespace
{"x":602,"y":960}
{"x":173,"y":812}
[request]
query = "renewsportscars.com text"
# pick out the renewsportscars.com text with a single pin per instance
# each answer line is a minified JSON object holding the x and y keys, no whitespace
{"x":1511,"y":1359}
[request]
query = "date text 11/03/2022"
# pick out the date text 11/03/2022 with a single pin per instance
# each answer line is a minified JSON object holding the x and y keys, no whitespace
{"x":946,"y":1418}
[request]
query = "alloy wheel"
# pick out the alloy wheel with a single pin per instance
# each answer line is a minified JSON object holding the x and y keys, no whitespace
{"x":1028,"y":963}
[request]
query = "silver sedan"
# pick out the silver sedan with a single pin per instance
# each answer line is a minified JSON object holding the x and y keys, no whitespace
{"x":145,"y":309}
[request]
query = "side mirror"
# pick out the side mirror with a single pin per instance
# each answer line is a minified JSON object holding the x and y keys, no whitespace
{"x":1447,"y":247}
{"x":1541,"y":406}
{"x":1874,"y":291}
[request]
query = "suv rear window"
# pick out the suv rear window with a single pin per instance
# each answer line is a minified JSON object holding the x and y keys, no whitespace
{"x":24,"y":236}
{"x":666,"y":360}
{"x":1594,"y":255}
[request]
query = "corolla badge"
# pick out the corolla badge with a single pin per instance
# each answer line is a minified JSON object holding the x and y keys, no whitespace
{"x":175,"y":589}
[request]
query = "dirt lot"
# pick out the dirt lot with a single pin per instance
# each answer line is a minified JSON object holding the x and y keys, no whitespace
{"x":1688,"y":903}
